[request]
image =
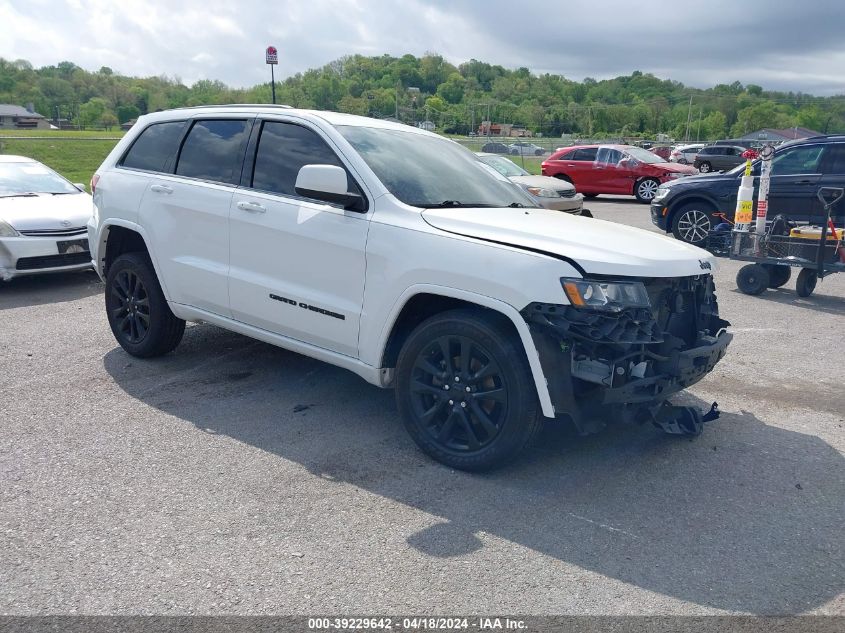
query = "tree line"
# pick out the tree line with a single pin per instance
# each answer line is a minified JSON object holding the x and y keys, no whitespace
{"x":455,"y":98}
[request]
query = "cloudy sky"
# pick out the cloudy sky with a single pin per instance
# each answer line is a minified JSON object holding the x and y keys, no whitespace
{"x":779,"y":44}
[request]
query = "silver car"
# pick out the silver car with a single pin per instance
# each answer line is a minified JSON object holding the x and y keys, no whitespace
{"x":42,"y":220}
{"x":551,"y":193}
{"x":525,"y":149}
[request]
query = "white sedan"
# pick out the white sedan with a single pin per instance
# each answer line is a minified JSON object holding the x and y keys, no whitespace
{"x":525,"y":149}
{"x":42,"y":220}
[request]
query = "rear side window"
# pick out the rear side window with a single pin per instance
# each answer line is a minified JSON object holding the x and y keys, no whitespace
{"x":585,"y":153}
{"x":214,"y":150}
{"x":836,"y":156}
{"x":154,"y":147}
{"x":283,"y":149}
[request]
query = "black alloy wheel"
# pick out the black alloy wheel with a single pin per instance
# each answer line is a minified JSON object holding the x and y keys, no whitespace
{"x":459,"y":394}
{"x":465,"y":390}
{"x":130,"y":307}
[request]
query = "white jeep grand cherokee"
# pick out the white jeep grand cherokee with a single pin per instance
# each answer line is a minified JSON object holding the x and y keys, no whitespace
{"x":395,"y":253}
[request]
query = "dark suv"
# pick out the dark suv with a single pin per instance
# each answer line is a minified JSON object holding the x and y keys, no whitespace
{"x":718,"y":158}
{"x":687,"y":207}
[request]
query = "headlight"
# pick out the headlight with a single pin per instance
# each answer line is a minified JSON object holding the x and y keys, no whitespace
{"x":673,"y":175}
{"x":661,"y":193}
{"x":540,"y":192}
{"x":609,"y":296}
{"x":7,"y":231}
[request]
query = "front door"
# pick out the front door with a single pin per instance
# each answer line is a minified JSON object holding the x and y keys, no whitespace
{"x":297,"y":264}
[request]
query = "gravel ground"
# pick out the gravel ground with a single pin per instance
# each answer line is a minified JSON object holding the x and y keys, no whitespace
{"x":231,"y":477}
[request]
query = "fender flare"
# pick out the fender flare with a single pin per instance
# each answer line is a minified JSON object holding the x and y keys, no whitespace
{"x":102,"y":240}
{"x":507,"y":310}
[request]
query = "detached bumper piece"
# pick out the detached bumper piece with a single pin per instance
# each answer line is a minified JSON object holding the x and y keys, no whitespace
{"x":624,"y":365}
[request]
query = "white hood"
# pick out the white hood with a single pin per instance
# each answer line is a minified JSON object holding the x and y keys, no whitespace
{"x":599,"y":247}
{"x":46,"y":211}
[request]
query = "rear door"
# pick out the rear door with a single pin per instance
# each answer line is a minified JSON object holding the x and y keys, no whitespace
{"x":578,"y":165}
{"x":833,"y":175}
{"x":186,"y":213}
{"x":297,"y":264}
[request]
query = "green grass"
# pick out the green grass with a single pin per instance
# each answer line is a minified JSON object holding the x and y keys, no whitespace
{"x":73,"y":154}
{"x":65,"y":133}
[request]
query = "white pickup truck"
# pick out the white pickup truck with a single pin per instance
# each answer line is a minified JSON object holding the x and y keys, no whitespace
{"x":395,"y":253}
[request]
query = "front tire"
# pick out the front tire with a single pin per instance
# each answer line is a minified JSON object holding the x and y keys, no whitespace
{"x":692,"y":224}
{"x":465,"y":391}
{"x":646,"y":189}
{"x":137,"y":311}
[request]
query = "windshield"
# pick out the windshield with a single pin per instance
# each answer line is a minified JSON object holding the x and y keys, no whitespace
{"x":430,"y":171}
{"x":29,"y":177}
{"x":504,"y":166}
{"x":643,"y":155}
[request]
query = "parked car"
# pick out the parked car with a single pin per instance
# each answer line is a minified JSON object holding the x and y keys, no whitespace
{"x":525,"y":149}
{"x":719,"y":158}
{"x":550,"y":193}
{"x":42,"y":220}
{"x":661,"y":150}
{"x":688,"y":207}
{"x":495,"y":147}
{"x":619,"y":169}
{"x":395,"y":253}
{"x":685,"y":154}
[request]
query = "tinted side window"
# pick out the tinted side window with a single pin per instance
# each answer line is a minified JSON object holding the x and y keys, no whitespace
{"x":799,"y":160}
{"x":836,"y":156}
{"x":154,"y":147}
{"x":213,"y":150}
{"x":587,"y":153}
{"x":283,"y":149}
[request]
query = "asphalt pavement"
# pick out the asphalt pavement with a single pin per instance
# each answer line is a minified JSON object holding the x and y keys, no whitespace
{"x":232,"y":477}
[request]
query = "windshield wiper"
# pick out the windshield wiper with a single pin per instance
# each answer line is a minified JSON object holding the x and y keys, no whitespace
{"x":516,"y":205}
{"x":451,"y":204}
{"x":24,"y":194}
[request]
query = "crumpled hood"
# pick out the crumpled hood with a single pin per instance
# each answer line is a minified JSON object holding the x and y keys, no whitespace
{"x":46,"y":211}
{"x":677,"y":168}
{"x":597,"y":246}
{"x":545,"y":182}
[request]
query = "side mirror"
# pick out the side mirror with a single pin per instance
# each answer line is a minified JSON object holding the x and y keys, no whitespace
{"x":328,"y":183}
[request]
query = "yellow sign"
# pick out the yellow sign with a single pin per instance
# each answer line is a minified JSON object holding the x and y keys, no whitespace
{"x":748,"y":167}
{"x":744,"y":213}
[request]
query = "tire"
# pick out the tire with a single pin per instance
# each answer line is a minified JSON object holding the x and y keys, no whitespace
{"x":514,"y":153}
{"x":590,"y":196}
{"x":136,"y":309}
{"x":752,"y":279}
{"x":439,"y":364}
{"x":646,"y":189}
{"x":538,"y":152}
{"x":683,"y":161}
{"x":692,"y":223}
{"x":705,"y":167}
{"x":806,"y":282}
{"x":778,"y":275}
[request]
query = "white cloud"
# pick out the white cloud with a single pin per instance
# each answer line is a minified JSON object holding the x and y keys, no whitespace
{"x":791,"y":46}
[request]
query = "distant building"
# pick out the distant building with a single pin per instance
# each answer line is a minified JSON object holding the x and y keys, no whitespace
{"x":14,"y":117}
{"x":128,"y":125}
{"x":774,"y":134}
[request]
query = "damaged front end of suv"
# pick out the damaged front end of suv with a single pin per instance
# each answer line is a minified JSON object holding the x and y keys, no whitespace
{"x":624,"y":345}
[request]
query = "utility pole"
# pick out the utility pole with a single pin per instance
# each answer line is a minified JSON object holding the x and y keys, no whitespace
{"x":698,"y":134}
{"x":689,"y":118}
{"x":489,"y":122}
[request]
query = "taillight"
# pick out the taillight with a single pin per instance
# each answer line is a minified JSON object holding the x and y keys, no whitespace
{"x":94,"y":180}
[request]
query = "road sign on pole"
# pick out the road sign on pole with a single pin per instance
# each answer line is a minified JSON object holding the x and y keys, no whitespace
{"x":271,"y":58}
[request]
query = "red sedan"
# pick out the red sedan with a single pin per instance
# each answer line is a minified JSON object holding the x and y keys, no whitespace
{"x":619,"y":169}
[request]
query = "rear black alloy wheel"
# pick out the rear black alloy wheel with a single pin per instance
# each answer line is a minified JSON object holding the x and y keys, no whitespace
{"x":137,"y":310}
{"x":465,"y":391}
{"x":705,"y":167}
{"x":130,"y":307}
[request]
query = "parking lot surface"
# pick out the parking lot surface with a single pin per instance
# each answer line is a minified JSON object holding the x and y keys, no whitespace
{"x":234,"y":477}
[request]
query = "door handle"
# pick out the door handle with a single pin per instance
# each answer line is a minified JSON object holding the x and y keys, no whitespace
{"x":805,"y":182}
{"x":251,"y":207}
{"x":161,"y":189}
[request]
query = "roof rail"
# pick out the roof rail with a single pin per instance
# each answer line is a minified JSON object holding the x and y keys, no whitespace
{"x":237,"y":105}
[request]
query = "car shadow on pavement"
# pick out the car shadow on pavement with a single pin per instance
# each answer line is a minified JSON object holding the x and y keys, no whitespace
{"x":817,"y":302}
{"x":33,"y":290}
{"x":748,"y":517}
